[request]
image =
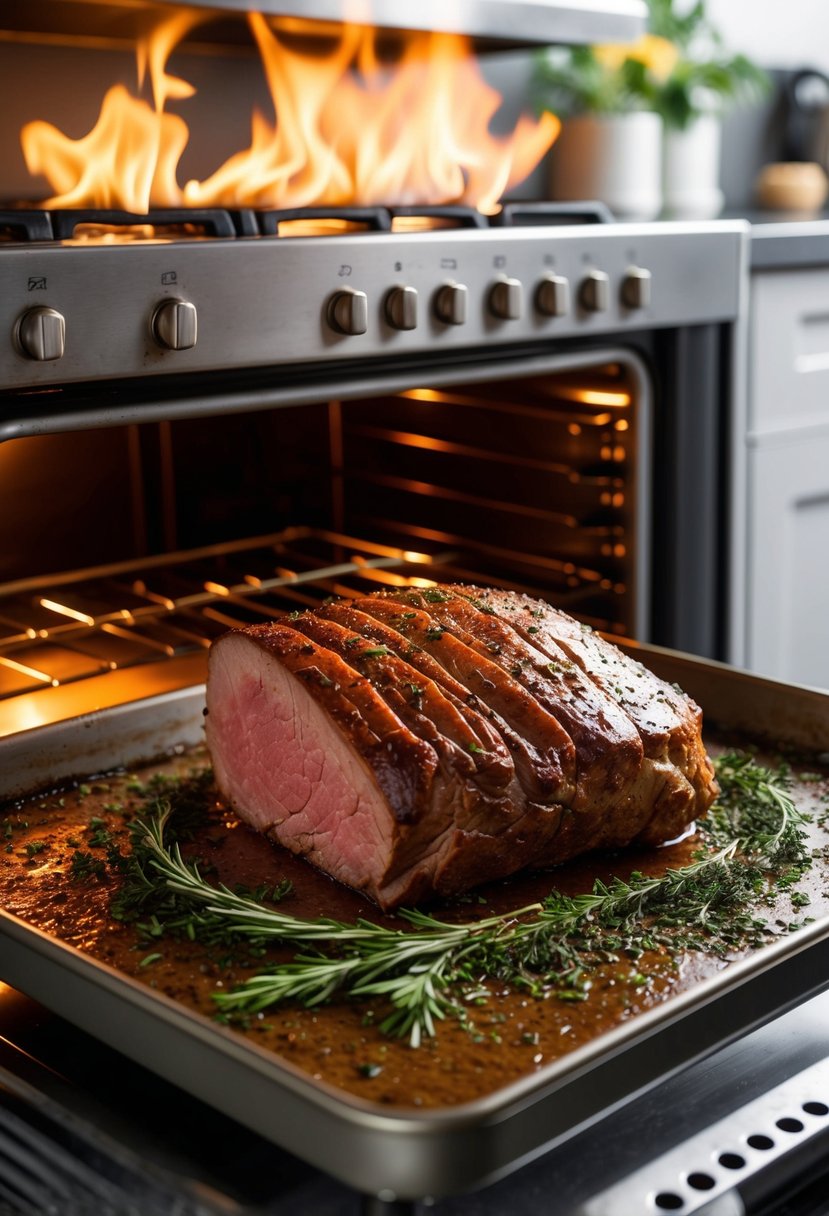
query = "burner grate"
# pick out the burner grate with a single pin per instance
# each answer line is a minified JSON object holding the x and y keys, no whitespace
{"x":320,"y":220}
{"x":23,"y":225}
{"x":175,"y":223}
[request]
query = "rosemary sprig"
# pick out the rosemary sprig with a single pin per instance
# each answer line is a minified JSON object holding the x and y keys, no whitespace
{"x":422,"y":971}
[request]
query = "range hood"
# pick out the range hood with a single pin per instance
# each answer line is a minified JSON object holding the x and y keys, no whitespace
{"x":522,"y":21}
{"x":498,"y":22}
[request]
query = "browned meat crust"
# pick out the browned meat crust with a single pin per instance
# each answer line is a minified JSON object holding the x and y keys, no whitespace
{"x":424,"y":741}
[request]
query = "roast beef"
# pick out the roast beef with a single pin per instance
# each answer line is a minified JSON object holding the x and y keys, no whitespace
{"x":420,"y":742}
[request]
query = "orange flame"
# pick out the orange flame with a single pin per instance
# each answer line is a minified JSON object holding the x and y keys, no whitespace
{"x":348,"y":129}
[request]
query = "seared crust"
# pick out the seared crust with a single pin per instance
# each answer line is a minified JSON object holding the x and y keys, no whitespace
{"x":545,"y":758}
{"x":607,"y":748}
{"x":428,"y":687}
{"x":485,"y":732}
{"x":669,"y":723}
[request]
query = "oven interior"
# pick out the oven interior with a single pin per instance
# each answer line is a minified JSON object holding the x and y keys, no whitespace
{"x":157,"y":537}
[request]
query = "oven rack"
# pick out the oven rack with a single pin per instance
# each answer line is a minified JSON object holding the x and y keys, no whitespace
{"x":104,"y":635}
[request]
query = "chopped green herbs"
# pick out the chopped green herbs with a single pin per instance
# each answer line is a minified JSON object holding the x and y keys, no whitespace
{"x":84,"y":866}
{"x":430,"y":970}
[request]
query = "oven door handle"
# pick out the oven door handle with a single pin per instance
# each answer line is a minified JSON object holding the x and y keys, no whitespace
{"x":767,"y":1157}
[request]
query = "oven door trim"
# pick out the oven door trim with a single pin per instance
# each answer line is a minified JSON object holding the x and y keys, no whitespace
{"x":494,"y":369}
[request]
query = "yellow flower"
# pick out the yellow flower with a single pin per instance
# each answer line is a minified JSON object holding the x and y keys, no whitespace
{"x":657,"y":54}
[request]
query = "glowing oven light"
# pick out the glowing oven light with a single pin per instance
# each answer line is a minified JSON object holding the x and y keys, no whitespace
{"x":593,"y":396}
{"x":350,"y":127}
{"x":421,"y":394}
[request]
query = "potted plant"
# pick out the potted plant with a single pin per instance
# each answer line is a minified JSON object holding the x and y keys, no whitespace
{"x":617,"y":101}
{"x":610,"y":145}
{"x":703,"y":82}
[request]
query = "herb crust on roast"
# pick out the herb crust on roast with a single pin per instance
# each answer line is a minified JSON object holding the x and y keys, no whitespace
{"x":420,"y":742}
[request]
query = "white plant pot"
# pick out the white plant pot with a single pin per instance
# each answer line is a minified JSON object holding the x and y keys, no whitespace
{"x":615,"y":158}
{"x":691,"y":170}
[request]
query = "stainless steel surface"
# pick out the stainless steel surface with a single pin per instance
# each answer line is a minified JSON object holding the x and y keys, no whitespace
{"x":263,"y":302}
{"x":789,"y":1120}
{"x":408,"y":1154}
{"x":524,"y":21}
{"x":175,"y":325}
{"x":117,"y":1111}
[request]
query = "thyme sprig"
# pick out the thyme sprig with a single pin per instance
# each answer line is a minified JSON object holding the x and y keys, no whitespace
{"x":424,"y":971}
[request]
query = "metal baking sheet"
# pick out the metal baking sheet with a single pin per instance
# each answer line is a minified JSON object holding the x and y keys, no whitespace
{"x":394,"y":1152}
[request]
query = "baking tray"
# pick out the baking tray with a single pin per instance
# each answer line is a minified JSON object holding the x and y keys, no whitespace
{"x":394,"y":1153}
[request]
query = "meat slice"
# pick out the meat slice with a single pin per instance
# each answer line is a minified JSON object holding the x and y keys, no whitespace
{"x":543,"y":752}
{"x":677,"y":771}
{"x":608,"y":750}
{"x":307,"y":750}
{"x":423,"y":741}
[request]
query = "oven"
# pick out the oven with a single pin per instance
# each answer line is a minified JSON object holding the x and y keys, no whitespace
{"x":582,"y":455}
{"x":217,"y":412}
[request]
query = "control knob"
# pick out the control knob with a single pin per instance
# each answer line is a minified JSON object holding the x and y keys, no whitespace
{"x":636,"y":287}
{"x":451,"y":303}
{"x":175,"y":325}
{"x":41,"y":334}
{"x":553,"y":296}
{"x":594,"y":294}
{"x":348,"y":311}
{"x":401,"y":308}
{"x":506,"y":299}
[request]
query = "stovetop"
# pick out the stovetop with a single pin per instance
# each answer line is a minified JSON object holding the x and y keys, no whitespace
{"x":107,"y":296}
{"x":31,"y":224}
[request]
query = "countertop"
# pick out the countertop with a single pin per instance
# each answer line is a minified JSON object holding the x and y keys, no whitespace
{"x":786,"y":239}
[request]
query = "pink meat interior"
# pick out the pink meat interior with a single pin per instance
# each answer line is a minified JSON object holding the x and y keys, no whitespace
{"x":292,"y":773}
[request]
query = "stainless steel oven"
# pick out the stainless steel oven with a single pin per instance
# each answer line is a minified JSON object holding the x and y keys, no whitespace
{"x":214,"y":414}
{"x":577,"y":446}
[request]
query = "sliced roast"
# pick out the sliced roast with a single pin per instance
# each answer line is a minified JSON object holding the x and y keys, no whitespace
{"x":420,"y":742}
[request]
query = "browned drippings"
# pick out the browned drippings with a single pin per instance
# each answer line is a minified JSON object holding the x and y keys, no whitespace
{"x":508,"y":1036}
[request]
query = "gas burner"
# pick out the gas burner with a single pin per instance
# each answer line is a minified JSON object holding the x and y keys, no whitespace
{"x":24,"y":225}
{"x":548,"y":214}
{"x":334,"y":221}
{"x":96,"y":225}
{"x":426,"y":217}
{"x":93,"y":225}
{"x":442,"y":215}
{"x":322,"y":221}
{"x":170,"y":223}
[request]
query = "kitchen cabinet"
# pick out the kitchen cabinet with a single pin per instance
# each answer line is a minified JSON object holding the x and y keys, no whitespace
{"x":787,"y":470}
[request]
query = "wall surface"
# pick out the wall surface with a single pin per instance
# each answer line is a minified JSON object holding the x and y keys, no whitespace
{"x":777,"y":33}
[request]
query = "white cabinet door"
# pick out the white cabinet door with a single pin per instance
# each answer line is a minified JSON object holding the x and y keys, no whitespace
{"x":787,"y":603}
{"x":789,"y":350}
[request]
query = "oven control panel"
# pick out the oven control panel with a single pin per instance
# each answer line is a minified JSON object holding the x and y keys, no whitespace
{"x":71,"y":313}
